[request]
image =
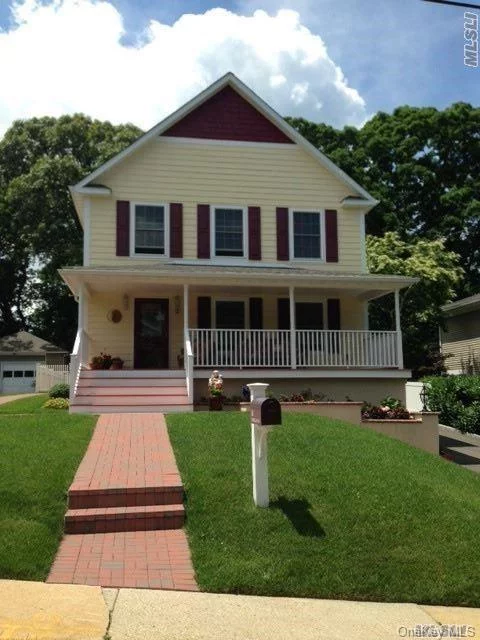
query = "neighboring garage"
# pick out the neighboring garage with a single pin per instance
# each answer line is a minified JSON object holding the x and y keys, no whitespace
{"x":19,"y":355}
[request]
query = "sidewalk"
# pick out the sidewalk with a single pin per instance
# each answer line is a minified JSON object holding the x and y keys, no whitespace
{"x":77,"y":612}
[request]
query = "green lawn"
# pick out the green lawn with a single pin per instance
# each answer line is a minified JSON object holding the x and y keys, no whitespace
{"x":353,"y":514}
{"x":39,"y":454}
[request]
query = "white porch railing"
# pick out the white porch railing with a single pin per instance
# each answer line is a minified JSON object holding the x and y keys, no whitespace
{"x":271,"y":348}
{"x":78,"y":357}
{"x":188,"y":355}
{"x":49,"y":374}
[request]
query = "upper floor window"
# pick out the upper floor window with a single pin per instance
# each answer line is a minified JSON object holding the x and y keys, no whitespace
{"x":229,"y":232}
{"x":149,"y":223}
{"x":307,"y":235}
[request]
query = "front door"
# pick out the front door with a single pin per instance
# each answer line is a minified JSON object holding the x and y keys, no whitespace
{"x":151,"y":334}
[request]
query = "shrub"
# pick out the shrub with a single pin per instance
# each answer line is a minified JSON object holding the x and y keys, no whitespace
{"x":56,"y":403}
{"x":457,"y":398}
{"x":60,"y":390}
{"x":386,"y":411}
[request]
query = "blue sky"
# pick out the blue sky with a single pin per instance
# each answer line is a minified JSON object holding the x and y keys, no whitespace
{"x":391,"y":52}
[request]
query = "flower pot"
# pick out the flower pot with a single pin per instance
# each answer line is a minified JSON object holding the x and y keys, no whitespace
{"x":215,"y":403}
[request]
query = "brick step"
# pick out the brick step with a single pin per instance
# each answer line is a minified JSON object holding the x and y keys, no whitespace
{"x":129,"y":390}
{"x":111,"y":381}
{"x":140,"y":407}
{"x":131,"y":497}
{"x":111,"y":519}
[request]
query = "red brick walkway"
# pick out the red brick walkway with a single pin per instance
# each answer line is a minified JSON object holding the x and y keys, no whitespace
{"x":125,"y":510}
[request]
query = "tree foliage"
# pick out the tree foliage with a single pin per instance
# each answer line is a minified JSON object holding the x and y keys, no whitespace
{"x":39,"y":230}
{"x":438,"y":274}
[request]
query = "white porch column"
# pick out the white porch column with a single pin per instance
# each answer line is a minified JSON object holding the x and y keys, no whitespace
{"x":185,"y":308}
{"x":293,"y":349}
{"x":398,"y":329}
{"x":83,"y":297}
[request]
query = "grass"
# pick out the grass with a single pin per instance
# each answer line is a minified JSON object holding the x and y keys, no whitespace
{"x":353,"y":514}
{"x":32,"y":404}
{"x":39,"y":454}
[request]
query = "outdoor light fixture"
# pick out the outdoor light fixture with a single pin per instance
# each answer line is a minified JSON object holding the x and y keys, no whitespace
{"x":423,"y":398}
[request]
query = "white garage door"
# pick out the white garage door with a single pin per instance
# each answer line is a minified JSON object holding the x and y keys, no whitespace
{"x":17,"y":377}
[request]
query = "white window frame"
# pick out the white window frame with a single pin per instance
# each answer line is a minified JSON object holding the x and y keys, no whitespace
{"x":166,"y":209}
{"x":246,"y":315}
{"x":213,"y":251}
{"x":291,"y":243}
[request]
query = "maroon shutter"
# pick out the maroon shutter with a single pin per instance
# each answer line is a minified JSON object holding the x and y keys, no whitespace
{"x":203,"y":231}
{"x":204,"y":312}
{"x":331,"y":233}
{"x":283,"y":313}
{"x":123,"y":228}
{"x":256,"y":313}
{"x":333,"y":313}
{"x":282,"y":233}
{"x":176,"y":230}
{"x":254,"y":234}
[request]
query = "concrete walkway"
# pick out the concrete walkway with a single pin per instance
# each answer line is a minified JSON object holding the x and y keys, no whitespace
{"x":20,"y":396}
{"x":461,"y":448}
{"x":60,"y":612}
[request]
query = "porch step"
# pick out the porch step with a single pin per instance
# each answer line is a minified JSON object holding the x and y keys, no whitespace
{"x":133,"y":373}
{"x":112,"y":519}
{"x":130,"y":408}
{"x":131,"y":497}
{"x":130,"y":390}
{"x":121,"y":400}
{"x":140,"y":381}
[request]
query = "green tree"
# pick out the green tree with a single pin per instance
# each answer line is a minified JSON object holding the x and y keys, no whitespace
{"x":39,"y":229}
{"x":424,"y":166}
{"x":439,"y":274}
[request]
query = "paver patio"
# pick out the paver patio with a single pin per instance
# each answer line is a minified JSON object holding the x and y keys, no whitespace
{"x":125,"y":510}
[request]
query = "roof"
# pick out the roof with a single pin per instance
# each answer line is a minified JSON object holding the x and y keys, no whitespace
{"x":465,"y":305}
{"x":178,"y":273}
{"x":23,"y":343}
{"x":229,"y":79}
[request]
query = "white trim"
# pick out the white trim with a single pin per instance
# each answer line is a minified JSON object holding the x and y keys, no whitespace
{"x":265,"y":374}
{"x":228,"y":259}
{"x":227,"y":143}
{"x":166,"y":224}
{"x":255,"y":101}
{"x":398,"y":329}
{"x":87,"y":208}
{"x":363,"y":244}
{"x":355,"y":203}
{"x":293,"y":314}
{"x":226,"y":298}
{"x":291,"y":243}
{"x":186,"y":306}
{"x":92,"y":191}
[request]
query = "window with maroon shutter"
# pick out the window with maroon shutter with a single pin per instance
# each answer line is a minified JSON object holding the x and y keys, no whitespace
{"x":203,"y":231}
{"x":333,"y":313}
{"x":176,"y":230}
{"x":282,"y":233}
{"x":256,"y":313}
{"x":204,"y":312}
{"x":331,"y":235}
{"x":123,"y":228}
{"x":254,"y":234}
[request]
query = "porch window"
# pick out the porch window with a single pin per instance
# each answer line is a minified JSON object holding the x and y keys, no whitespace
{"x":307,"y":234}
{"x":149,"y":229}
{"x":309,"y":316}
{"x":229,"y":233}
{"x":230,"y":314}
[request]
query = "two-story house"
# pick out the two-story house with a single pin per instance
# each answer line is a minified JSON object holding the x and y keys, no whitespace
{"x":222,"y":239}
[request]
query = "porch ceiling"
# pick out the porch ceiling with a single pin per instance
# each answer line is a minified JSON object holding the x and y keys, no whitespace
{"x":173,"y":274}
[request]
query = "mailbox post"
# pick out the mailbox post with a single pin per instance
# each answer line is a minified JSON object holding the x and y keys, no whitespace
{"x":265,"y":413}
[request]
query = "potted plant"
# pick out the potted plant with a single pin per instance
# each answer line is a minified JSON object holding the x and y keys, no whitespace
{"x":103,"y":361}
{"x":215,"y":388}
{"x":117,"y":363}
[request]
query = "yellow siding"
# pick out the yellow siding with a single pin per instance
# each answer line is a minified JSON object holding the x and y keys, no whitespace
{"x":117,"y":339}
{"x":461,"y":339}
{"x":163,"y":171}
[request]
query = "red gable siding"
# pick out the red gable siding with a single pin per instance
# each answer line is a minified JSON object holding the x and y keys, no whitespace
{"x":227,"y":116}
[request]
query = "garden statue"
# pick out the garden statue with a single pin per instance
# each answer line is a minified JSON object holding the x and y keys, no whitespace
{"x":215,"y":388}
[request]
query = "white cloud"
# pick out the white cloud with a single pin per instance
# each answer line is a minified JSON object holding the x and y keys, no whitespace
{"x":67,"y":56}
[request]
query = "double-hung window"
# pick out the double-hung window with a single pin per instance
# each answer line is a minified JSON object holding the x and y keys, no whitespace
{"x":229,"y":232}
{"x":149,"y":229}
{"x":307,"y":234}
